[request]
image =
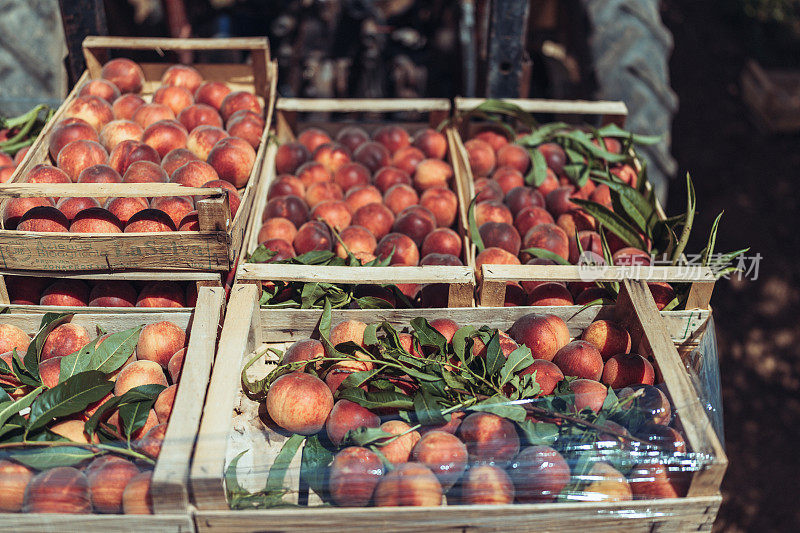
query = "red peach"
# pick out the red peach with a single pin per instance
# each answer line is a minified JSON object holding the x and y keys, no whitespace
{"x":539,"y":474}
{"x":197,"y":115}
{"x":193,"y":174}
{"x":100,"y":88}
{"x":139,"y":373}
{"x":514,"y":156}
{"x":392,"y":137}
{"x":405,"y":250}
{"x":444,"y":454}
{"x":290,"y":156}
{"x":432,"y":173}
{"x":335,"y":213}
{"x":588,"y":394}
{"x":145,"y":172}
{"x":290,"y":207}
{"x":95,"y":220}
{"x":149,"y":114}
{"x":608,"y":337}
{"x":358,"y":197}
{"x":176,"y":207}
{"x":304,"y":350}
{"x":13,"y":337}
{"x":410,"y":484}
{"x":508,"y":178}
{"x":247,"y":126}
{"x":548,"y":237}
{"x":202,"y":140}
{"x":531,"y":217}
{"x":47,"y":174}
{"x":67,"y":293}
{"x":441,"y":241}
{"x":112,"y":294}
{"x":117,"y":131}
{"x":161,"y":294}
{"x":126,"y":105}
{"x":332,"y":156}
{"x":549,"y":294}
{"x":623,"y":370}
{"x":377,"y":218}
{"x":211,"y":93}
{"x":495,"y":139}
{"x":165,"y":135}
{"x":322,"y":191}
{"x":79,"y":155}
{"x":313,"y":235}
{"x":128,"y":152}
{"x":372,"y":155}
{"x":489,"y":438}
{"x":177,"y":158}
{"x":581,"y":359}
{"x":159,"y":342}
{"x":64,"y":340}
{"x":299,"y":403}
{"x":100,"y":174}
{"x":492,"y":211}
{"x":407,"y":159}
{"x":125,"y":74}
{"x":15,"y":208}
{"x":234,"y":200}
{"x":285,"y":185}
{"x":354,"y":474}
{"x":13,"y":480}
{"x":314,"y":172}
{"x":313,"y":137}
{"x":352,"y":137}
{"x":500,"y":235}
{"x":357,"y":239}
{"x":543,"y":334}
{"x":125,"y":208}
{"x":237,"y":101}
{"x":662,"y":292}
{"x":487,"y":189}
{"x":351,"y":175}
{"x":175,"y":98}
{"x":346,"y":416}
{"x":95,"y":111}
{"x":482,"y":159}
{"x":233,"y":159}
{"x":487,"y":485}
{"x":400,"y":196}
{"x":71,"y":206}
{"x":432,"y":143}
{"x":6,"y":172}
{"x":387,"y":177}
{"x":68,"y":130}
{"x":149,"y":220}
{"x":277,"y":228}
{"x":62,"y":490}
{"x":519,"y":198}
{"x":45,"y":219}
{"x":182,"y":76}
{"x":108,"y":475}
{"x":548,"y":375}
{"x":136,"y":498}
{"x":443,"y":203}
{"x":398,"y":451}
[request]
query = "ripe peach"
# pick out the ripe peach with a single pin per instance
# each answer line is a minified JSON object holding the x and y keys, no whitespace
{"x":145,"y":172}
{"x":443,"y":203}
{"x":348,"y":331}
{"x":543,"y":334}
{"x":304,"y":350}
{"x":126,"y":105}
{"x":358,"y":197}
{"x":237,"y":101}
{"x":148,"y":114}
{"x":531,"y":217}
{"x":410,"y":484}
{"x":211,"y":93}
{"x":108,"y":475}
{"x":125,"y":208}
{"x":554,"y":156}
{"x":290,"y":207}
{"x":247,"y":126}
{"x":372,"y":155}
{"x":150,"y":443}
{"x":58,"y":490}
{"x":233,"y":159}
{"x":577,"y":221}
{"x":149,"y":220}
{"x":580,"y":358}
{"x":487,"y":485}
{"x":626,"y":174}
{"x":313,"y":172}
{"x":176,"y":207}
{"x":487,"y":189}
{"x":100,"y":88}
{"x":388,"y":177}
{"x":6,"y":172}
{"x":17,"y":207}
{"x":290,"y":157}
{"x":548,"y":237}
{"x":651,"y":402}
{"x":508,"y":179}
{"x":79,"y":155}
{"x":631,"y":256}
{"x":602,"y":195}
{"x":351,"y":175}
{"x":377,"y":218}
{"x":407,"y":159}
{"x":322,"y":191}
{"x":47,"y":174}
{"x":549,"y":184}
{"x":311,"y":138}
{"x":662,"y":437}
{"x":175,"y":365}
{"x":17,"y":161}
{"x":432,"y":143}
{"x":440,"y":259}
{"x":558,"y":201}
{"x":277,"y":228}
{"x":482,"y":159}
{"x":514,"y":156}
{"x":444,"y":454}
{"x":95,"y":111}
{"x":441,"y":241}
{"x":136,"y":498}
{"x":196,"y":115}
{"x":592,"y":294}
{"x":7,"y":160}
{"x":49,"y":371}
{"x":400,"y":196}
{"x":313,"y":235}
{"x":68,"y":130}
{"x":100,"y":174}
{"x":489,"y":438}
{"x":520,"y":198}
{"x":494,"y":256}
{"x":548,"y":375}
{"x":608,"y":337}
{"x":351,"y":137}
{"x":73,"y":430}
{"x":14,"y":478}
{"x":95,"y":220}
{"x":177,"y":158}
{"x":405,"y":249}
{"x":12,"y":337}
{"x":500,"y":235}
{"x":117,"y":131}
{"x":392,"y":137}
{"x":112,"y":294}
{"x":128,"y":152}
{"x":398,"y":451}
{"x":606,"y":483}
{"x":662,"y":292}
{"x":588,"y":393}
{"x":432,"y":173}
{"x":346,"y":416}
{"x":161,"y":294}
{"x":182,"y":76}
{"x":539,"y":474}
{"x":193,"y":174}
{"x":202,"y":140}
{"x":175,"y":98}
{"x":492,"y":211}
{"x":333,"y":212}
{"x":332,"y":156}
{"x":68,"y":293}
{"x":137,"y":373}
{"x":284,"y":185}
{"x":496,"y":139}
{"x":159,"y":342}
{"x":46,"y":219}
{"x":191,"y":222}
{"x":71,"y":206}
{"x":356,"y":239}
{"x":354,"y":474}
{"x":124,"y":74}
{"x":299,"y":403}
{"x":165,"y":136}
{"x":552,"y":294}
{"x":653,"y":481}
{"x":283,"y":249}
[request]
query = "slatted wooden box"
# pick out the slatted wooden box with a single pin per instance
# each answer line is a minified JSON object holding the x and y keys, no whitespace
{"x":293,"y":115}
{"x":223,"y":436}
{"x":215,"y":248}
{"x":169,"y":485}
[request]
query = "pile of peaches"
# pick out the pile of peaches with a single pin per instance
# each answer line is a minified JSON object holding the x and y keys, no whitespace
{"x":387,"y":455}
{"x":28,"y":290}
{"x":193,"y":132}
{"x":512,"y":217}
{"x":103,"y":446}
{"x":381,"y":194}
{"x":9,"y":164}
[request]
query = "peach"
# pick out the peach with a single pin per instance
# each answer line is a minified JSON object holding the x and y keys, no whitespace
{"x":487,"y":485}
{"x":247,"y":126}
{"x":354,"y":474}
{"x":277,"y":228}
{"x":175,"y":98}
{"x":662,"y":437}
{"x":487,"y":189}
{"x":145,"y":172}
{"x":211,"y":93}
{"x":6,"y":172}
{"x":336,"y":376}
{"x":500,"y":235}
{"x":284,"y":185}
{"x":443,"y":203}
{"x":482,"y":159}
{"x":593,"y":294}
{"x":191,"y":222}
{"x":531,"y":217}
{"x":398,"y":450}
{"x":290,"y":207}
{"x":303,"y":350}
{"x":126,"y":105}
{"x":348,"y":331}
{"x":519,"y":198}
{"x":71,"y":206}
{"x":233,"y":159}
{"x":606,"y":484}
{"x":58,"y":490}
{"x":444,"y":454}
{"x":159,"y":342}
{"x":47,"y":174}
{"x":626,"y":174}
{"x":202,"y":140}
{"x":548,"y":237}
{"x":95,"y":111}
{"x":128,"y":152}
{"x":346,"y":416}
{"x":432,"y":143}
{"x":49,"y":371}
{"x":492,"y":211}
{"x":558,"y":201}
{"x":662,"y":292}
{"x":333,"y":212}
{"x":372,"y":155}
{"x":441,"y":241}
{"x":313,"y":235}
{"x":514,"y":156}
{"x":549,"y":184}
{"x":351,"y":137}
{"x":72,"y":430}
{"x":377,"y":218}
{"x":554,"y":156}
{"x":234,"y":200}
{"x":237,"y":101}
{"x":311,"y":138}
{"x":7,"y":160}
{"x":608,"y":337}
{"x":100,"y":88}
{"x":388,"y":177}
{"x":356,"y":239}
{"x":68,"y":130}
{"x":148,"y":221}
{"x":150,"y":443}
{"x":100,"y":174}
{"x":400,"y":196}
{"x":494,"y":256}
{"x":407,"y":159}
{"x":351,"y":175}
{"x":588,"y":394}
{"x":125,"y":74}
{"x":332,"y":156}
{"x":548,"y":375}
{"x":79,"y":155}
{"x":108,"y":475}
{"x":193,"y":174}
{"x":577,"y":221}
{"x":165,"y":136}
{"x":392,"y":137}
{"x":432,"y":173}
{"x":67,"y":293}
{"x":543,"y":334}
{"x":549,"y":294}
{"x":176,"y":207}
{"x":283,"y":249}
{"x":653,"y":481}
{"x":631,"y":256}
{"x":13,"y":337}
{"x":13,"y":480}
{"x":299,"y":403}
{"x":196,"y":115}
{"x":117,"y":131}
{"x":15,"y":208}
{"x":161,"y":294}
{"x":650,"y":401}
{"x":177,"y":158}
{"x":405,"y":250}
{"x":19,"y":156}
{"x":602,"y":195}
{"x":148,"y":114}
{"x":138,"y":373}
{"x":322,"y":191}
{"x":440,"y":259}
{"x":411,"y":484}
{"x":95,"y":220}
{"x":581,"y":359}
{"x":112,"y":294}
{"x":175,"y":365}
{"x":183,"y":76}
{"x":46,"y":219}
{"x":313,"y":172}
{"x":489,"y":438}
{"x":495,"y":139}
{"x":508,"y":178}
{"x":136,"y":497}
{"x":125,"y":208}
{"x":539,"y":474}
{"x":290,"y":157}
{"x":358,"y":197}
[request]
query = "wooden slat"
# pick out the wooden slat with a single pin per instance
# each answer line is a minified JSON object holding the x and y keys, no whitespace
{"x":365,"y":275}
{"x":561,"y":107}
{"x":166,"y":43}
{"x":102,"y":190}
{"x":362,"y":105}
{"x":170,"y":480}
{"x":110,"y":322}
{"x":49,"y":523}
{"x":127,"y":276}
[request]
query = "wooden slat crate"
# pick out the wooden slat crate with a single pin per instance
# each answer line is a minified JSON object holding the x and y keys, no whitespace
{"x":169,"y":484}
{"x":222,"y":436}
{"x":291,"y":116}
{"x":215,"y":247}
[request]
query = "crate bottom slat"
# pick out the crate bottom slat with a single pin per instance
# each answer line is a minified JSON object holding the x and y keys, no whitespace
{"x":48,"y":523}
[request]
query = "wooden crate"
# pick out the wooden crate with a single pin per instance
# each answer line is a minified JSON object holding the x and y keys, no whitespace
{"x":214,"y":248}
{"x":291,"y":116}
{"x":169,"y":485}
{"x":255,"y":329}
{"x":9,"y":277}
{"x":772,"y":96}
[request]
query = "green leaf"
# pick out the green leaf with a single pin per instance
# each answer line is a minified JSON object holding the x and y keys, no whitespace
{"x":356,"y":379}
{"x":378,"y":399}
{"x":115,"y":350}
{"x":277,"y":472}
{"x":691,"y":204}
{"x":71,"y":396}
{"x":428,"y":409}
{"x":363,"y":436}
{"x":612,"y":130}
{"x":50,"y":321}
{"x":494,"y":355}
{"x":262,"y":255}
{"x":546,"y":254}
{"x":428,"y":335}
{"x":460,"y":344}
{"x":712,"y":241}
{"x":11,"y":408}
{"x":232,"y":485}
{"x":372,"y":302}
{"x":640,"y":211}
{"x":314,"y":464}
{"x":539,"y":433}
{"x":518,"y":360}
{"x":501,"y":406}
{"x":44,"y":458}
{"x":137,"y":394}
{"x":614,"y":222}
{"x":77,"y":361}
{"x":133,"y":416}
{"x":611,"y":400}
{"x":474,"y":234}
{"x":538,"y":171}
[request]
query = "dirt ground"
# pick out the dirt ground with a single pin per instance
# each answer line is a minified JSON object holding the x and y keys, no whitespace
{"x":752,"y":176}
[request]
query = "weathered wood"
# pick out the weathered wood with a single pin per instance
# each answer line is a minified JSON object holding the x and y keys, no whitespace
{"x":608,"y":110}
{"x":365,"y":275}
{"x":103,"y":190}
{"x":362,"y":105}
{"x":48,"y":523}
